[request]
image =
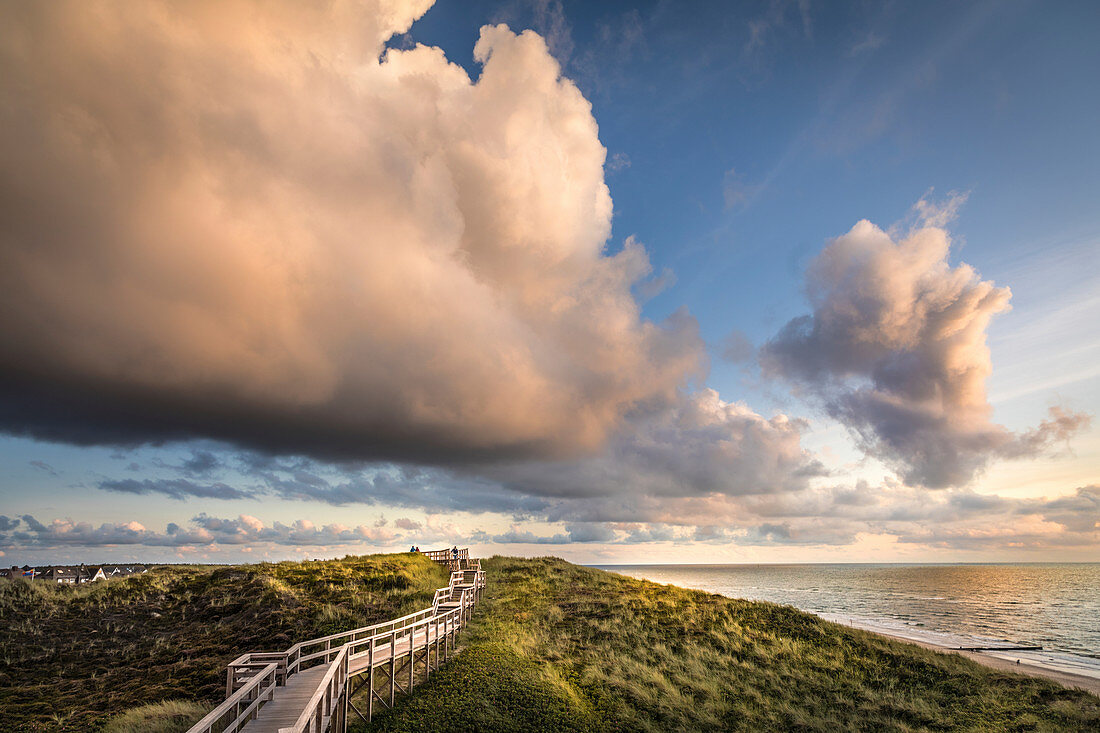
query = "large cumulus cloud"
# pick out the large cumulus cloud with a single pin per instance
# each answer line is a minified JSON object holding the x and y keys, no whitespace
{"x":896,"y":347}
{"x":250,"y":221}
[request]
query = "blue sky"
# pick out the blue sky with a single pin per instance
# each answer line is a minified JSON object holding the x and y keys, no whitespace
{"x":745,"y":156}
{"x":740,"y":141}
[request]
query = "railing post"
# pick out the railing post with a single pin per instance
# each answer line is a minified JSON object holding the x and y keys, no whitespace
{"x":427,"y":654}
{"x":393,"y":667}
{"x":345,"y":697}
{"x":370,"y":678}
{"x":436,"y":642}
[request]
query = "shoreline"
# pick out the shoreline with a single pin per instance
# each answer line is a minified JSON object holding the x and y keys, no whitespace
{"x":1023,"y":666}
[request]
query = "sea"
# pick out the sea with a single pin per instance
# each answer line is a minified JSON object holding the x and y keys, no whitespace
{"x":1052,"y":605}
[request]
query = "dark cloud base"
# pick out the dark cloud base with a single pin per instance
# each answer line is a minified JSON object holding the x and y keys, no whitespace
{"x":45,"y":407}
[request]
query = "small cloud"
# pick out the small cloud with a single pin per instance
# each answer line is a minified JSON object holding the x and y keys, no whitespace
{"x":590,"y":532}
{"x":43,"y":466}
{"x":516,"y":536}
{"x":735,"y":192}
{"x":870,"y":43}
{"x":930,"y":212}
{"x":201,"y":464}
{"x":176,"y":488}
{"x":618,"y":162}
{"x":737,"y":348}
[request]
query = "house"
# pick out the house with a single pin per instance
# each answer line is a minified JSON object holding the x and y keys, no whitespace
{"x":91,"y":574}
{"x":122,"y":571}
{"x":71,"y":574}
{"x":61,"y":575}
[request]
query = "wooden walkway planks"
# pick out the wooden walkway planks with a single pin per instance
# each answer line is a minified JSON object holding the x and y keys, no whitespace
{"x":290,"y":700}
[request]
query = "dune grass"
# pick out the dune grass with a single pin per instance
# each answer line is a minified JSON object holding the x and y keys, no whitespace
{"x":77,"y":658}
{"x":169,"y":716}
{"x":555,"y":646}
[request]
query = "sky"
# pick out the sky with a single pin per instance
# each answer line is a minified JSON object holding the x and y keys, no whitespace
{"x":618,"y":282}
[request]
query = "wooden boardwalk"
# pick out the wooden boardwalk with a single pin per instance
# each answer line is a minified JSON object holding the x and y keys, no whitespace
{"x":308,"y":687}
{"x":287,"y":706}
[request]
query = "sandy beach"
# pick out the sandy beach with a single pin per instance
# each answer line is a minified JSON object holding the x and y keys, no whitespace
{"x":1020,"y":662}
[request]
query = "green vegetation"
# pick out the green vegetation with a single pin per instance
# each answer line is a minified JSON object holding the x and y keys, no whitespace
{"x":555,"y":646}
{"x":170,"y":716}
{"x":74,"y":658}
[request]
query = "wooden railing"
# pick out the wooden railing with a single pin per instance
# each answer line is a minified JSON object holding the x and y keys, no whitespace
{"x":446,"y":555}
{"x":252,"y":678}
{"x":241,"y":706}
{"x":329,"y":703}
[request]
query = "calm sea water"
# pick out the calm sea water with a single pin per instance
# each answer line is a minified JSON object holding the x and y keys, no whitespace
{"x":1053,"y":605}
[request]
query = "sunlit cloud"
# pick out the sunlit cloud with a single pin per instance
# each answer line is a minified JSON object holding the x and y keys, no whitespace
{"x":287,"y":237}
{"x":896,"y":349}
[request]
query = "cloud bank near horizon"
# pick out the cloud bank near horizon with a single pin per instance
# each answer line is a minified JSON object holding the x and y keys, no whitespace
{"x":953,"y":519}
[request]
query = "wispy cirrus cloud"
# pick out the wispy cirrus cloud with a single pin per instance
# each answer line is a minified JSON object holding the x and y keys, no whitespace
{"x":177,"y":488}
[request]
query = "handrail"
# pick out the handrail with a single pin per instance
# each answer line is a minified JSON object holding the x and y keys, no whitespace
{"x":292,"y":659}
{"x":325,"y":698}
{"x":215,"y":716}
{"x":446,"y":554}
{"x":394,"y":625}
{"x":275,"y":667}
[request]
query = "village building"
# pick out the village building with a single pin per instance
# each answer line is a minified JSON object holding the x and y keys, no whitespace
{"x":70,"y":574}
{"x":91,"y":574}
{"x":61,"y":575}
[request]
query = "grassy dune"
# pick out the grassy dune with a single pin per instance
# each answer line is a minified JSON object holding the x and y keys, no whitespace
{"x":553,"y":646}
{"x":74,"y":658}
{"x":559,"y":647}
